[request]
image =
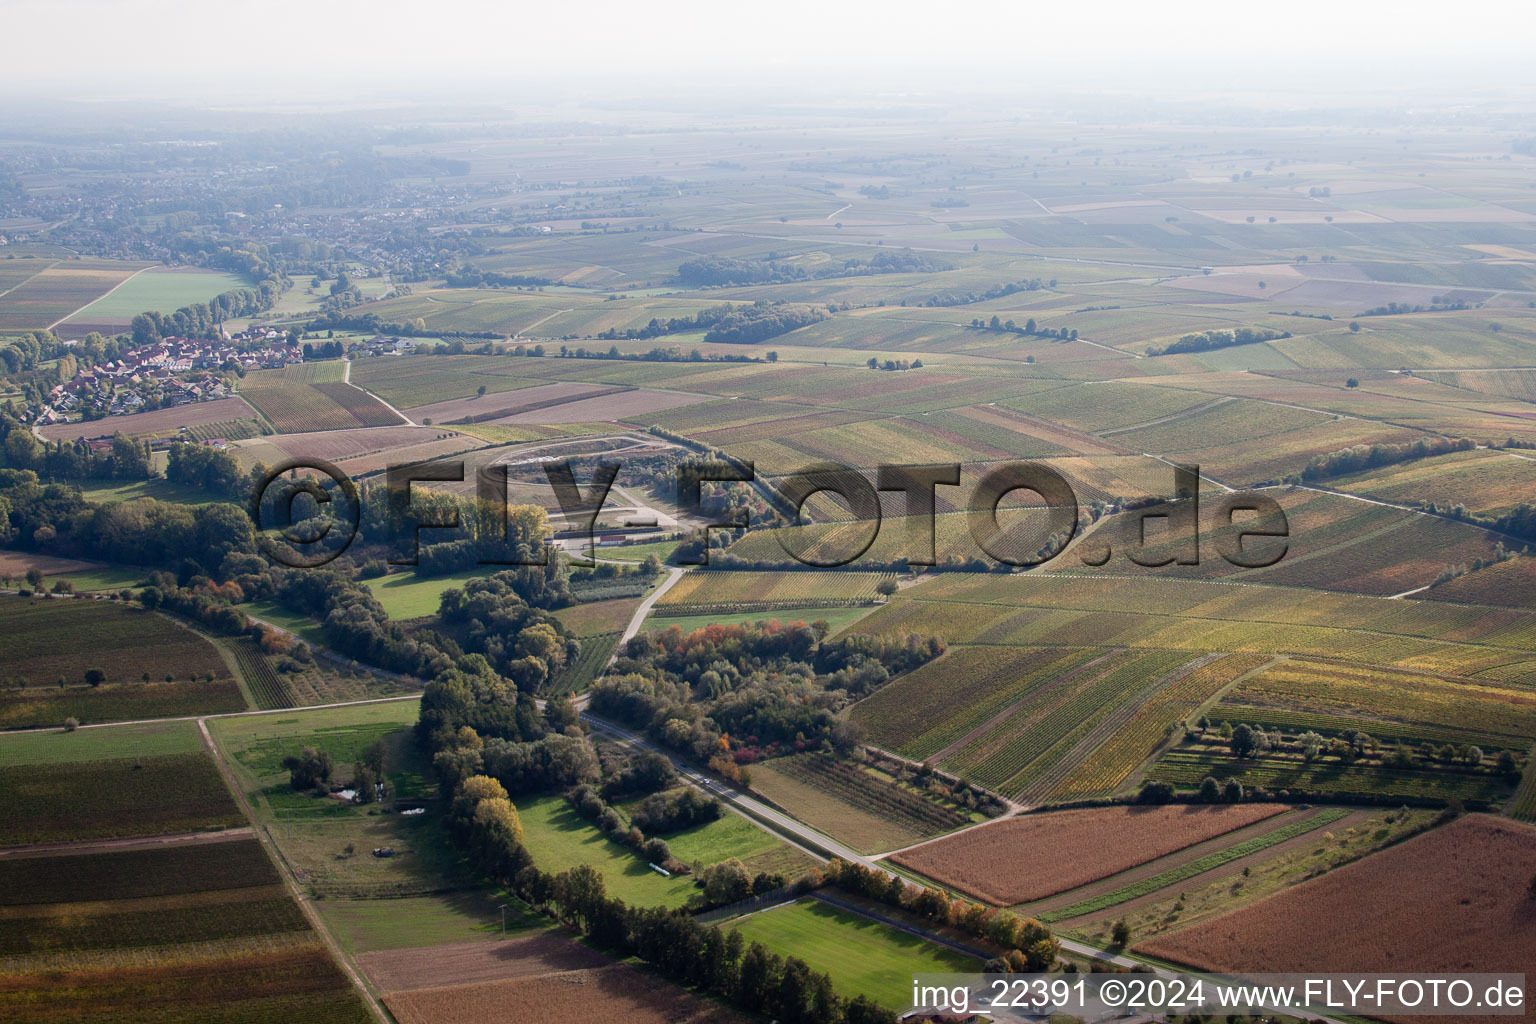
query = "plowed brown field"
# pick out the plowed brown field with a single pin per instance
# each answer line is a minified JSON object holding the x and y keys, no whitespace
{"x":468,"y":963}
{"x":1454,"y":899}
{"x":616,"y":993}
{"x":1038,"y":855}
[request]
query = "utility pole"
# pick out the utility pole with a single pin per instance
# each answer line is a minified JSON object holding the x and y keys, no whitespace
{"x":503,"y":909}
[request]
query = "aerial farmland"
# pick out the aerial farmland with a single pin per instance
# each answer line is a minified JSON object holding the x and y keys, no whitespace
{"x":718,"y":554}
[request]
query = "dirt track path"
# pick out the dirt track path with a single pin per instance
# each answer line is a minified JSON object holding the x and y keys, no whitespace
{"x":133,"y":843}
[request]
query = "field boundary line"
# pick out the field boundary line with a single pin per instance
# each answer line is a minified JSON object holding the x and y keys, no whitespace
{"x":1056,"y":774}
{"x":1169,"y":742}
{"x":294,"y":889}
{"x":24,"y":280}
{"x":98,"y":298}
{"x":1028,"y":698}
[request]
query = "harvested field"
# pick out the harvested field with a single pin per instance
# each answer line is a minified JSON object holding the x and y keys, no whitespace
{"x":706,"y":589}
{"x":1469,"y":911}
{"x":340,"y":445}
{"x":631,"y":404}
{"x":15,"y":564}
{"x":496,"y":404}
{"x":1028,"y":858}
{"x":469,"y":963}
{"x":157,"y":424}
{"x":294,"y":401}
{"x":41,"y":301}
{"x":618,"y":992}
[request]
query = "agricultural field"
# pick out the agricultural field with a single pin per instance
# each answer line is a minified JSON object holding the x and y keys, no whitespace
{"x":706,"y":591}
{"x":194,"y":931}
{"x":1511,"y":584}
{"x":110,"y":783}
{"x":56,"y":291}
{"x":1176,"y":869}
{"x":294,"y":402}
{"x":1484,"y":481}
{"x":1056,"y":609}
{"x":446,"y":983}
{"x":162,"y":424}
{"x":151,"y":666}
{"x":854,"y":803}
{"x":863,"y":956}
{"x":1354,"y":919}
{"x":1019,"y":860}
{"x":162,"y":289}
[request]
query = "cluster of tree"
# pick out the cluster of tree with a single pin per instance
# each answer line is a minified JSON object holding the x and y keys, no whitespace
{"x":126,"y":459}
{"x":728,"y":694}
{"x":1205,"y":341}
{"x":875,"y":191}
{"x":501,"y":617}
{"x":1437,"y":304}
{"x":356,"y":625}
{"x":309,"y":769}
{"x":893,"y":364}
{"x":1030,"y":944}
{"x":712,"y":960}
{"x":1213,"y":792}
{"x":208,"y":469}
{"x":700,"y":321}
{"x":1362,"y":456}
{"x":56,"y":519}
{"x":199,"y":599}
{"x":1029,"y":329}
{"x":716,"y":271}
{"x":588,"y":802}
{"x":675,"y":810}
{"x":324,"y":350}
{"x":1518,"y":522}
{"x":202,"y":319}
{"x":997,"y":291}
{"x":759,"y":323}
{"x":370,"y":323}
{"x":730,"y":882}
{"x":470,"y":276}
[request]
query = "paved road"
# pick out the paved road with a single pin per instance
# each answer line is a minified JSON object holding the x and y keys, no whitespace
{"x":636,"y":620}
{"x":801,"y":835}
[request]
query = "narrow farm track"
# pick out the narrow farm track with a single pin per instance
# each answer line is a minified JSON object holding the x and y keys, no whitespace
{"x":1073,"y":759}
{"x":98,"y":298}
{"x":294,"y":889}
{"x":135,"y":843}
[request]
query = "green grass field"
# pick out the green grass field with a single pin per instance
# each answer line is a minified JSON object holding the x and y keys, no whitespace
{"x":559,"y":839}
{"x":277,"y":615}
{"x":161,"y":289}
{"x":863,"y":956}
{"x":148,"y":739}
{"x":404,"y":596}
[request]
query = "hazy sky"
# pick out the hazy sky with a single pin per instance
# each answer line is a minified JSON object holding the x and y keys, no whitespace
{"x":72,"y":46}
